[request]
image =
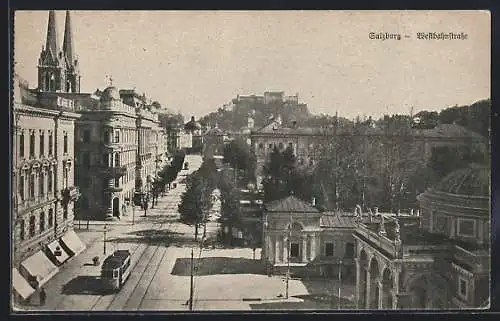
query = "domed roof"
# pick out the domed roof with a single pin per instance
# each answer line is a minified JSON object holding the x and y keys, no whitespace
{"x":473,"y":180}
{"x":110,"y":93}
{"x":192,"y":125}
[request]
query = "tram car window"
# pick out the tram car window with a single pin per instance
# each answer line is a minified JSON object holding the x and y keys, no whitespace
{"x":115,"y":270}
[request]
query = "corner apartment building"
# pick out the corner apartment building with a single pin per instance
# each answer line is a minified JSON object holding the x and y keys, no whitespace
{"x":106,"y":145}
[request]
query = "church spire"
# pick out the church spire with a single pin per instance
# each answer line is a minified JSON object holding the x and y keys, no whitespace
{"x":68,"y":40}
{"x":52,"y":34}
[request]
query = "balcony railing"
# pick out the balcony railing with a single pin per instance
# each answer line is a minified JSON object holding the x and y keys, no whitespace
{"x":114,"y":189}
{"x":478,"y":259}
{"x":32,"y":202}
{"x":382,"y":241}
{"x":69,"y":194}
{"x":115,"y":171}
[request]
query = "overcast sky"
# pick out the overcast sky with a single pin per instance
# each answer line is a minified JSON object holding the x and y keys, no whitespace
{"x":194,"y":62}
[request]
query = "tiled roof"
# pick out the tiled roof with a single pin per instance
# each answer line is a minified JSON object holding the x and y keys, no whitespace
{"x":337,"y":221}
{"x":290,"y":204}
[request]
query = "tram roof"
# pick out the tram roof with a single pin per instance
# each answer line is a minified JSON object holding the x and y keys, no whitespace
{"x":116,"y":259}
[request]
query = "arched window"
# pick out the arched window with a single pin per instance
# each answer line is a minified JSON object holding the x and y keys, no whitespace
{"x":41,"y":183}
{"x":49,"y":182}
{"x":105,"y":159}
{"x":42,"y":222}
{"x":21,"y":144}
{"x":50,"y":221}
{"x":32,"y":226}
{"x":32,"y":144}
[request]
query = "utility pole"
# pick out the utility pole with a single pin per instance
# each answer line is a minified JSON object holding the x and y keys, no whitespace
{"x":191,"y":289}
{"x":288,"y":257}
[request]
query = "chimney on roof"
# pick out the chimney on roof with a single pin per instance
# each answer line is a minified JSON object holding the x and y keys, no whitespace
{"x":313,"y":201}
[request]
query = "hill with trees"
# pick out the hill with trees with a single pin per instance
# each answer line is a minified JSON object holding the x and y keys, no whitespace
{"x":236,"y":117}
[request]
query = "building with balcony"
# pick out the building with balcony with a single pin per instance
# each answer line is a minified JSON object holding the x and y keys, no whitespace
{"x":437,"y":260}
{"x":106,"y":144}
{"x":148,"y":130}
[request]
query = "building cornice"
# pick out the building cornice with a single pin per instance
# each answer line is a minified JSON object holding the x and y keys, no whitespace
{"x":45,"y":112}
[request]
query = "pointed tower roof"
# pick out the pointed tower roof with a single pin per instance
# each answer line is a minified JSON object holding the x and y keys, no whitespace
{"x":68,"y":40}
{"x":51,"y":43}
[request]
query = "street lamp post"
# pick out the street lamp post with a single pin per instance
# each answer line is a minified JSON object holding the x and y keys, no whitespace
{"x":288,"y":257}
{"x":105,"y":231}
{"x":133,"y":213}
{"x":340,"y":281}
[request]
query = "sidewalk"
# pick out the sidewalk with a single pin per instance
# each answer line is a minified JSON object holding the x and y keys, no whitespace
{"x":131,"y":218}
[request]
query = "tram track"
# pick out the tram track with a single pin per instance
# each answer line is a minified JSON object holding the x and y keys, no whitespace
{"x":127,"y":296}
{"x":100,"y":303}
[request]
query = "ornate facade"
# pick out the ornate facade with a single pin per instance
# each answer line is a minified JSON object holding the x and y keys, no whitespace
{"x":106,"y":141}
{"x":44,"y":191}
{"x":438,"y":260}
{"x":195,"y":129}
{"x":312,"y":243}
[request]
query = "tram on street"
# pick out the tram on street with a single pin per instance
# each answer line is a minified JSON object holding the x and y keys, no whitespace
{"x":115,"y":270}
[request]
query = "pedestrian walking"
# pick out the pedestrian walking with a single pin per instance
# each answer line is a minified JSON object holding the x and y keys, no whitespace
{"x":43,"y":296}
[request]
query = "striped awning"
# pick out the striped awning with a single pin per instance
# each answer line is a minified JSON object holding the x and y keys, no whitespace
{"x":72,"y":243}
{"x":57,"y":252}
{"x":20,"y":285}
{"x":39,"y":268}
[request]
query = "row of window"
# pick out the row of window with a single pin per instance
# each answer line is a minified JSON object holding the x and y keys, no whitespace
{"x":271,"y":146}
{"x":41,"y":142}
{"x":329,"y":249}
{"x":465,"y":227}
{"x":280,"y":146}
{"x":43,"y":223}
{"x":42,"y":179}
{"x":32,"y":178}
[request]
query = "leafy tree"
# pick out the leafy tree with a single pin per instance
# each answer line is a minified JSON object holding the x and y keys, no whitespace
{"x":282,"y":177}
{"x":230,"y":207}
{"x":445,"y":159}
{"x":239,"y":155}
{"x":171,"y":121}
{"x":475,"y":117}
{"x":195,"y":202}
